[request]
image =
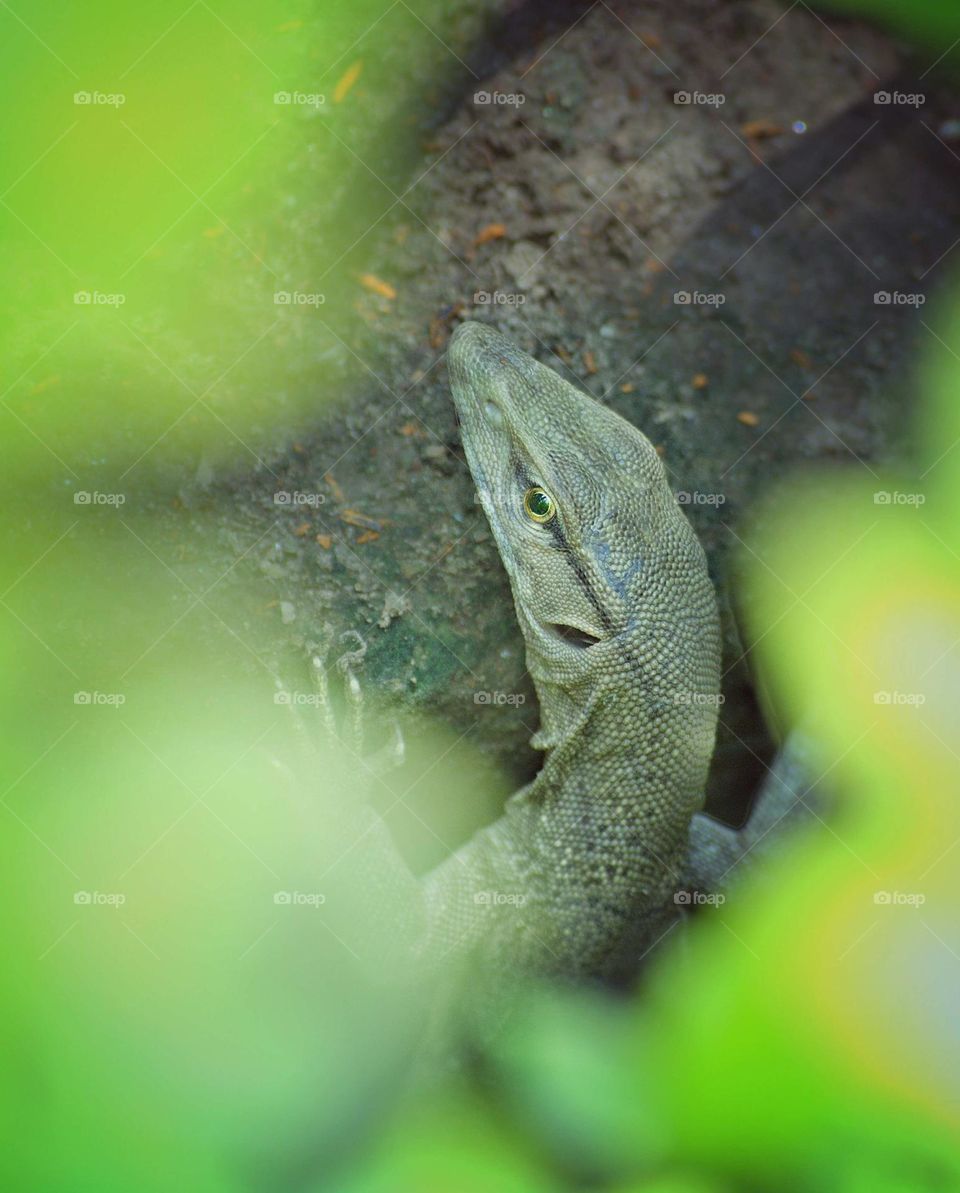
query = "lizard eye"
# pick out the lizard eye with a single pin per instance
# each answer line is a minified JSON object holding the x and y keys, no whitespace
{"x":539,"y":505}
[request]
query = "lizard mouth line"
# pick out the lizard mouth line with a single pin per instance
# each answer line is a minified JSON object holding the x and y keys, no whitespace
{"x":574,"y":636}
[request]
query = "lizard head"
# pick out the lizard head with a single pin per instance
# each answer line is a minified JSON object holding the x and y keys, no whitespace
{"x":602,"y":563}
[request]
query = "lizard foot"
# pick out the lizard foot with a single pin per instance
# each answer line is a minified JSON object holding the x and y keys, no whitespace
{"x":344,"y":714}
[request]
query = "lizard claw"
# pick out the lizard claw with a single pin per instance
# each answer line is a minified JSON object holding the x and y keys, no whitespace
{"x":352,"y":657}
{"x":354,"y":693}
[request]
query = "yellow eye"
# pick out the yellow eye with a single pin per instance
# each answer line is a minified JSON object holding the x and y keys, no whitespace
{"x":539,"y":505}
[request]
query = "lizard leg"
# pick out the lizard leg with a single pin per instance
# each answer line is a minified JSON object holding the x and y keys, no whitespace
{"x":713,"y":852}
{"x":786,"y":801}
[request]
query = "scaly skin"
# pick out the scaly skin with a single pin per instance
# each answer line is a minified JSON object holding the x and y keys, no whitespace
{"x":588,"y":855}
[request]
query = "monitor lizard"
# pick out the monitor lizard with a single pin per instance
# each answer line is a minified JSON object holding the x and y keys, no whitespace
{"x":578,"y":876}
{"x":622,"y":637}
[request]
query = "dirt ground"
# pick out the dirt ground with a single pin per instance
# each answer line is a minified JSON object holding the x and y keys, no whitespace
{"x":570,"y":210}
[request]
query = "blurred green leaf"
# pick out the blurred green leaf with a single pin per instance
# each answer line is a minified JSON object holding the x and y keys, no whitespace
{"x":456,"y":1144}
{"x":933,"y":23}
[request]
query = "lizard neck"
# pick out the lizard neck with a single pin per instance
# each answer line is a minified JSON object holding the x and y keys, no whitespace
{"x":629,"y":750}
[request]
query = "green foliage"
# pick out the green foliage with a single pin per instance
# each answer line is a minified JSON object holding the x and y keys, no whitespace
{"x":457,"y":1143}
{"x":198,"y":1035}
{"x":931,"y":23}
{"x":159,"y":194}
